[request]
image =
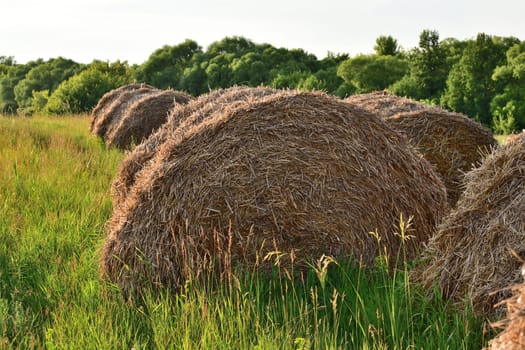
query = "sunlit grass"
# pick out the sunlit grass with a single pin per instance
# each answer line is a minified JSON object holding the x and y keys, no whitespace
{"x":55,"y":199}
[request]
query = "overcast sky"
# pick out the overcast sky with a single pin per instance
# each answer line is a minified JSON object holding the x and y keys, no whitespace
{"x":131,"y":30}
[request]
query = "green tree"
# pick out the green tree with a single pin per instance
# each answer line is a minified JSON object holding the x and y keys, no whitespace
{"x":289,"y":80}
{"x":430,"y":64}
{"x":218,"y":71}
{"x":46,"y":76}
{"x":81,"y":92}
{"x":281,"y":61}
{"x":165,"y":67}
{"x":7,"y":97}
{"x":9,"y":78}
{"x":505,"y":42}
{"x":250,"y":69}
{"x":470,"y":87}
{"x":327,"y":74}
{"x":39,"y":101}
{"x":371,"y":72}
{"x":510,"y":102}
{"x":453,"y":50}
{"x":310,"y":83}
{"x":386,"y":45}
{"x":236,"y":45}
{"x":329,"y":80}
{"x":7,"y":60}
{"x":428,"y":70}
{"x":194,"y":79}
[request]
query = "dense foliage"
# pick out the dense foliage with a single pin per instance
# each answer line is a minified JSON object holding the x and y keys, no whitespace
{"x":481,"y":77}
{"x":81,"y":92}
{"x":43,"y":77}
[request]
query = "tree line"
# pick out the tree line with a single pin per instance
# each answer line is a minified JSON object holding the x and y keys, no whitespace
{"x":483,"y":77}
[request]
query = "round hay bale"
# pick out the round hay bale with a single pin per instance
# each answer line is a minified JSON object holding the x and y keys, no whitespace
{"x":471,"y":254}
{"x":383,"y":104}
{"x":114,"y":112}
{"x":513,"y":335}
{"x":292,"y":172}
{"x":511,"y":138}
{"x":108,"y":98}
{"x":452,"y":142}
{"x":144,"y":116}
{"x":205,"y":104}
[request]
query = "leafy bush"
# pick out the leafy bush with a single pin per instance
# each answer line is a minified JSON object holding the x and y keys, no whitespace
{"x":371,"y":72}
{"x":81,"y":92}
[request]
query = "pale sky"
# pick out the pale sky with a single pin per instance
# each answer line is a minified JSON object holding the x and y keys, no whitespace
{"x":130,"y":30}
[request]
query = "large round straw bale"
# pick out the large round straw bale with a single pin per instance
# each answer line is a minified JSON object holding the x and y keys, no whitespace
{"x":205,"y":104}
{"x":292,"y":171}
{"x":117,"y":108}
{"x":452,"y":142}
{"x":108,"y":98}
{"x":471,"y":255}
{"x":513,"y":335}
{"x":144,"y":116}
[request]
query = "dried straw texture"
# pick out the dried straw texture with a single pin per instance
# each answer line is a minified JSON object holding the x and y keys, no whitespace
{"x":383,"y":104}
{"x":513,"y":335}
{"x":108,"y":98}
{"x":116,"y":109}
{"x":511,"y":138}
{"x":470,"y":255}
{"x":145,"y":116}
{"x":301,"y":172}
{"x":205,"y":104}
{"x":452,"y":142}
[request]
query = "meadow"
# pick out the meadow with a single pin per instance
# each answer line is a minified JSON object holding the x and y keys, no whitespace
{"x":55,"y":199}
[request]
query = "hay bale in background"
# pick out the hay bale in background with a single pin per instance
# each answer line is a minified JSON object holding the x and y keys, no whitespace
{"x":290,"y":171}
{"x":470,"y":255}
{"x":205,"y":104}
{"x":511,"y":138}
{"x":115,"y":110}
{"x":145,"y":116}
{"x":383,"y":104}
{"x":513,"y":335}
{"x":108,"y":98}
{"x":452,"y":142}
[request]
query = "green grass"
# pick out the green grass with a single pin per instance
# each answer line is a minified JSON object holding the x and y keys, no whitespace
{"x":501,"y":138}
{"x":54,"y":201}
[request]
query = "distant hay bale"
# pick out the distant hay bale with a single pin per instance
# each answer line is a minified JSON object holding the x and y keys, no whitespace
{"x":513,"y":335}
{"x":205,"y":104}
{"x":113,"y":113}
{"x":144,"y":116}
{"x":385,"y":105}
{"x":108,"y":98}
{"x":511,"y":138}
{"x":452,"y":142}
{"x":471,"y":254}
{"x":292,"y":171}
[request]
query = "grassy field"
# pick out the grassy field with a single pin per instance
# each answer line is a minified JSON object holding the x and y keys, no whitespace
{"x":55,"y":199}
